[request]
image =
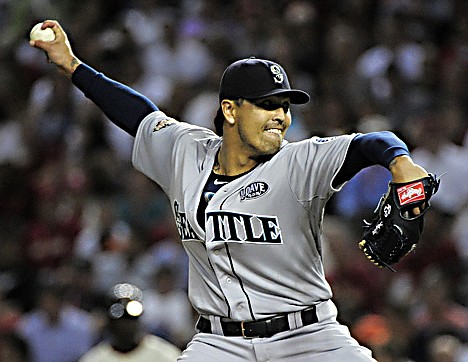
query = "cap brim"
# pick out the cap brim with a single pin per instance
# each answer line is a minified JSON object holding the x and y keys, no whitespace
{"x":295,"y":95}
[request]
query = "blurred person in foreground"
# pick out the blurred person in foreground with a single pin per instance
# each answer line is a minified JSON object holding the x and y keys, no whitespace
{"x":126,"y":340}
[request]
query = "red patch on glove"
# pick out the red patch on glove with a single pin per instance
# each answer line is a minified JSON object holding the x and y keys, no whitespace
{"x":411,"y":193}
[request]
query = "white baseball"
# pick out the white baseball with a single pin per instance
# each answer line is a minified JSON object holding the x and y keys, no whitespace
{"x":37,"y":33}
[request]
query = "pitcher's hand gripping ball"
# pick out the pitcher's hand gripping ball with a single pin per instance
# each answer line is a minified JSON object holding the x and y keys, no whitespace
{"x":396,"y":229}
{"x":37,"y":33}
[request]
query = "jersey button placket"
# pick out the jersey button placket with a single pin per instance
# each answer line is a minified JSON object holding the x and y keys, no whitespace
{"x":228,"y":283}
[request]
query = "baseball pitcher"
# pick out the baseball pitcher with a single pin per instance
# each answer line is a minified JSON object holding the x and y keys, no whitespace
{"x":249,"y":207}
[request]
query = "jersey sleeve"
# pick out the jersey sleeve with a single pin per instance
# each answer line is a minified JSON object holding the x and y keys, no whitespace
{"x":314,"y":164}
{"x":121,"y":104}
{"x":164,"y":147}
{"x":367,"y":149}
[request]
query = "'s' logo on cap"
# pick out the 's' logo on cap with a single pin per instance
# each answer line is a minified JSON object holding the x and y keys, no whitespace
{"x":277,"y":75}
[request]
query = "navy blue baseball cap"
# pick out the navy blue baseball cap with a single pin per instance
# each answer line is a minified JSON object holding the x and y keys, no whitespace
{"x":254,"y":78}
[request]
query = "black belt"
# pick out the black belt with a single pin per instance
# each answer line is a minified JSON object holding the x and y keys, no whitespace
{"x":261,"y":328}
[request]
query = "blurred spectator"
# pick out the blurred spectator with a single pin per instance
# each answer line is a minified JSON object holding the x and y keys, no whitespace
{"x":445,"y":348}
{"x":389,"y":333}
{"x":167,"y":252}
{"x":142,"y":204}
{"x":112,"y":261}
{"x":81,"y":291}
{"x":437,"y":249}
{"x":438,"y":308}
{"x":13,"y":148}
{"x":50,"y":115}
{"x":357,"y":289}
{"x":459,"y":231}
{"x":401,"y":330}
{"x":125,"y":338}
{"x":436,"y":313}
{"x":14,"y":192}
{"x":13,"y":348}
{"x":168,"y":312}
{"x":55,"y":330}
{"x":435,"y":151}
{"x":201,"y":109}
{"x":49,"y":236}
{"x":351,"y":201}
{"x":372,"y":329}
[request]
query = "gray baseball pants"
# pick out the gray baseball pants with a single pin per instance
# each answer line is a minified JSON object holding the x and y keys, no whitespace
{"x":325,"y":341}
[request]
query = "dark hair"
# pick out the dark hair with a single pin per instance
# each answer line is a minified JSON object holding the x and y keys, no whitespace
{"x":219,"y":121}
{"x":219,"y":118}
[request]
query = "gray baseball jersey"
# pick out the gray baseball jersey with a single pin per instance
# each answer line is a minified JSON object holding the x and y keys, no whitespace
{"x":259,"y":254}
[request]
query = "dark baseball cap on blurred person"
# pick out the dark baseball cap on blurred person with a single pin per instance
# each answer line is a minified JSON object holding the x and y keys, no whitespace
{"x":254,"y":78}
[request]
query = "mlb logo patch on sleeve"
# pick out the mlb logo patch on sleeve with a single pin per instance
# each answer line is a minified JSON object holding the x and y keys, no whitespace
{"x":411,"y":193}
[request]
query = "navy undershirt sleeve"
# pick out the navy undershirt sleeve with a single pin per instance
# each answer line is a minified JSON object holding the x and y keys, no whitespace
{"x":374,"y":148}
{"x":121,"y":104}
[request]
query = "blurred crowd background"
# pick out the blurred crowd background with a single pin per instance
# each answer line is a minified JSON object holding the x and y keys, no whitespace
{"x":75,"y":218}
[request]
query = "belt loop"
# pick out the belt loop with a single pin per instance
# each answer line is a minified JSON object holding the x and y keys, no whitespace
{"x":326,"y":310}
{"x":292,"y":320}
{"x":295,"y":320}
{"x":216,"y":327}
{"x":298,"y":318}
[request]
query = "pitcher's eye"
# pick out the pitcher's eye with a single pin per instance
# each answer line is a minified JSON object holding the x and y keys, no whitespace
{"x":271,"y":106}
